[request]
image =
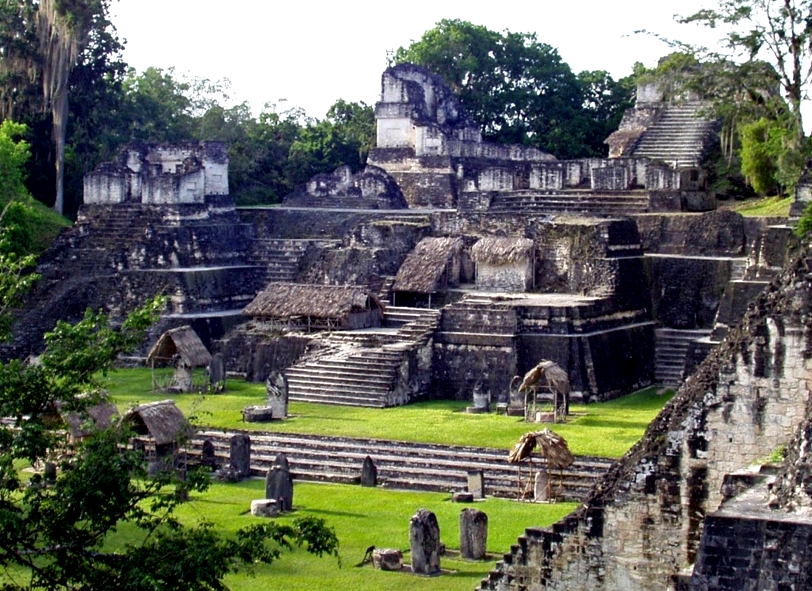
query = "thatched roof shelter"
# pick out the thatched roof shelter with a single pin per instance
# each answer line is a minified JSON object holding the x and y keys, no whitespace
{"x":290,"y":300}
{"x":425,"y":267}
{"x":183,"y":342}
{"x":555,"y":377}
{"x":93,"y":418}
{"x":162,"y":421}
{"x":552,"y":447}
{"x":502,"y":251}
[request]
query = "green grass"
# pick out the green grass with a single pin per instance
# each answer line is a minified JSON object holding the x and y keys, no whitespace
{"x":766,"y":207}
{"x":604,"y":429}
{"x":364,"y":517}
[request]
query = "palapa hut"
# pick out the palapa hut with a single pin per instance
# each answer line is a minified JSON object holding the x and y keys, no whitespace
{"x":546,"y":381}
{"x":553,"y":450}
{"x":316,"y":307}
{"x":182,"y":348}
{"x":162,"y":424}
{"x":504,"y":264}
{"x":91,"y":419}
{"x":430,"y":269}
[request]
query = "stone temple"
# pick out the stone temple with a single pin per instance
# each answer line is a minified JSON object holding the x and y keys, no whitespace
{"x":450,"y":265}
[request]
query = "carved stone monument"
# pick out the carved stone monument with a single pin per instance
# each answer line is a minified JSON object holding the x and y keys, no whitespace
{"x":240,"y":455}
{"x":279,"y":487}
{"x":424,"y":541}
{"x":217,"y":373}
{"x":276,"y":388}
{"x":541,"y":487}
{"x":369,"y":473}
{"x":207,"y":456}
{"x":473,"y":534}
{"x":476,"y":483}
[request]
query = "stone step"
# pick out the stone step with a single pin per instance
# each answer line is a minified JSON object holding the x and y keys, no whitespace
{"x":671,"y":350}
{"x":402,"y":464}
{"x":334,"y":384}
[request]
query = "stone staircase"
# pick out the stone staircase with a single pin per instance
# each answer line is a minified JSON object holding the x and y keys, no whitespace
{"x":581,"y":202}
{"x":361,"y":368}
{"x":349,"y":376}
{"x":680,"y":137}
{"x":402,"y":465}
{"x":282,"y":258}
{"x":671,"y":349}
{"x":385,"y":291}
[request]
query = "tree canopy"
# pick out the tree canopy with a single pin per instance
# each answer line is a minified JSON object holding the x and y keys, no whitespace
{"x":758,"y":80}
{"x":520,"y":90}
{"x":55,"y":530}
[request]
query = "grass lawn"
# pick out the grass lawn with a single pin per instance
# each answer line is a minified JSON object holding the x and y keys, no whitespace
{"x":604,"y":429}
{"x":768,"y":206}
{"x":364,"y":517}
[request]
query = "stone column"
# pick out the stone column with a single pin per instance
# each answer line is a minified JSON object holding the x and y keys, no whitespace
{"x":424,"y":541}
{"x":473,"y":534}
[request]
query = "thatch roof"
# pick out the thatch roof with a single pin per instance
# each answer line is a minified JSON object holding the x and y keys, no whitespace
{"x":93,"y":418}
{"x":161,"y":420}
{"x":288,"y":300}
{"x":552,"y":447}
{"x":424,"y":267}
{"x":182,"y":341}
{"x":548,"y":372}
{"x":504,"y":251}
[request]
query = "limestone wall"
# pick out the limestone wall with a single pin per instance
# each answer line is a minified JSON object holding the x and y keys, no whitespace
{"x":517,"y":277}
{"x":172,"y":173}
{"x":642,"y":523}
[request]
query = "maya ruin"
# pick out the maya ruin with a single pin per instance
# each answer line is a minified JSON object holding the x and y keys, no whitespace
{"x":449,"y":266}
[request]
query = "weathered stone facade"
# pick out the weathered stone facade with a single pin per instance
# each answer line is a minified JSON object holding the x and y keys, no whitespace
{"x":643,"y":523}
{"x":161,"y":174}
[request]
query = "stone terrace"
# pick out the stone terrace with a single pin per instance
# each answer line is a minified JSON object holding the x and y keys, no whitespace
{"x":401,"y":465}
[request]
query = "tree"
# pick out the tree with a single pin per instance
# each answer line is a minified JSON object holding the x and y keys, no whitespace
{"x":41,"y":42}
{"x":778,"y":32}
{"x":518,"y":89}
{"x":761,"y":72}
{"x":53,"y":532}
{"x":56,"y":531}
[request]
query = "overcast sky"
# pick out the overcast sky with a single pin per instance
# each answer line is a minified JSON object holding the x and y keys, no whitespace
{"x":312,"y":53}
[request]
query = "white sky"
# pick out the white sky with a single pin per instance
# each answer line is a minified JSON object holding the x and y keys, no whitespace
{"x":312,"y":53}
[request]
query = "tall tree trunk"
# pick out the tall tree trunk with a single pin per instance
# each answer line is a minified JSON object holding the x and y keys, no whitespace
{"x":60,"y":45}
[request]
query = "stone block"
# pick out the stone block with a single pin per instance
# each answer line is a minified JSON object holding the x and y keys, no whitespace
{"x":257,"y":414}
{"x":462,"y":497}
{"x":264,"y":508}
{"x":387,"y":559}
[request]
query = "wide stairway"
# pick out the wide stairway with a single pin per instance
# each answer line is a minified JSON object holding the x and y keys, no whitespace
{"x":361,"y":368}
{"x":671,"y":349}
{"x":680,"y":136}
{"x":402,"y":465}
{"x":581,"y":202}
{"x":281,"y":258}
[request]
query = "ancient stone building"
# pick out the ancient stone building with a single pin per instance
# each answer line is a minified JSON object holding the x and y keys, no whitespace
{"x":161,"y":174}
{"x":659,"y":509}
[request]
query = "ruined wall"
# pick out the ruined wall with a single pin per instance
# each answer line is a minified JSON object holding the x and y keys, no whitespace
{"x":180,"y":172}
{"x":515,"y":277}
{"x":642,"y":522}
{"x":256,"y":353}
